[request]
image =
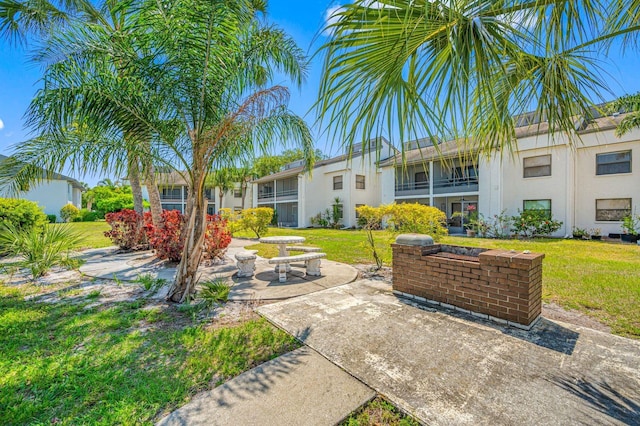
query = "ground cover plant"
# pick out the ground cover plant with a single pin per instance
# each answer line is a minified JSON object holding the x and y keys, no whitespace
{"x":81,"y":362}
{"x":597,"y":278}
{"x":379,"y":412}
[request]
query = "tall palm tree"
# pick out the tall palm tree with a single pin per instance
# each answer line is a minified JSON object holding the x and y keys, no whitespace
{"x":464,"y":68}
{"x":79,"y":23}
{"x":195,"y":87}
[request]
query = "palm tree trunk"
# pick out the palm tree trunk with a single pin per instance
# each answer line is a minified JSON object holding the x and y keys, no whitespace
{"x":221,"y":195}
{"x":184,"y":284}
{"x":136,"y":187}
{"x":243,"y":189}
{"x":155,"y":204}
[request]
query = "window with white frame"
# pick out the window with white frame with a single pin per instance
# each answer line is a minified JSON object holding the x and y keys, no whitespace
{"x":337,"y":182}
{"x":360,"y":182}
{"x":612,"y":209}
{"x":538,"y":205}
{"x":611,"y":163}
{"x":537,"y":166}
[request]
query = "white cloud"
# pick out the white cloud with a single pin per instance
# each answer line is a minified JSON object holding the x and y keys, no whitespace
{"x":1,"y":125}
{"x":331,"y":17}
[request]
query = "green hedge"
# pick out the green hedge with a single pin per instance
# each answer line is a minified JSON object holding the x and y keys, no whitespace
{"x":22,"y":214}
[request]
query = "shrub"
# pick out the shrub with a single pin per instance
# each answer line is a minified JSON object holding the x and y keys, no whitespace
{"x":535,"y":223}
{"x":40,"y":249}
{"x":21,"y":214}
{"x":88,"y":216}
{"x":127,"y":229}
{"x":69,"y":213}
{"x":497,"y":226}
{"x":167,"y":240}
{"x":214,"y":292}
{"x":217,"y":237}
{"x":52,"y":218}
{"x":416,"y":218}
{"x":257,"y":220}
{"x":233,"y":219}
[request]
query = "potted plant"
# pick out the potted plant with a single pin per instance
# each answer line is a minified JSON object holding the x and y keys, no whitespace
{"x":579,"y":233}
{"x":630,"y":228}
{"x":596,"y":233}
{"x":472,"y":221}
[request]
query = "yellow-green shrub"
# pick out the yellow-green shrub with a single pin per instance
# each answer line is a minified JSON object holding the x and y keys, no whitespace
{"x":69,"y":213}
{"x":418,"y":218}
{"x":256,"y":220}
{"x":233,"y":219}
{"x":22,"y":214}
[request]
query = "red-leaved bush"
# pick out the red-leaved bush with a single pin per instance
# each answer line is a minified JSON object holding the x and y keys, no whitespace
{"x":166,"y":240}
{"x":127,"y":229}
{"x":217,"y":237}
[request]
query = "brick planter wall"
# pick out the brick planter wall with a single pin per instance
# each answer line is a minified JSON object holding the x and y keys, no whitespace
{"x":498,"y":284}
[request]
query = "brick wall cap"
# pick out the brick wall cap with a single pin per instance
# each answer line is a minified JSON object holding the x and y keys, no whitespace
{"x":414,"y":240}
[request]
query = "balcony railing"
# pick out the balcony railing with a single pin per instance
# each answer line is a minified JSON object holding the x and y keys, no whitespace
{"x":412,"y":186}
{"x":279,"y":194}
{"x":465,"y":184}
{"x":170,"y":196}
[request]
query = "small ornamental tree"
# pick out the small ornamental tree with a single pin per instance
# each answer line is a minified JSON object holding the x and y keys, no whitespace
{"x":127,"y":230}
{"x":217,"y":237}
{"x":256,"y":220}
{"x":69,"y":213}
{"x":416,"y":218}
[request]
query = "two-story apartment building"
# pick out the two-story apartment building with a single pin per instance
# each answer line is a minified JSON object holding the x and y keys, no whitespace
{"x":297,"y":194}
{"x":588,"y":183}
{"x":441,"y":174}
{"x":173,"y":195}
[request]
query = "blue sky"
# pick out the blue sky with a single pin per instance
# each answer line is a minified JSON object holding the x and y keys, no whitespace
{"x":302,"y":20}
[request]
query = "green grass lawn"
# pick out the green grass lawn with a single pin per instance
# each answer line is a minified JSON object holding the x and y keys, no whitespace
{"x":597,"y":278}
{"x":93,"y":233}
{"x":125,"y":363}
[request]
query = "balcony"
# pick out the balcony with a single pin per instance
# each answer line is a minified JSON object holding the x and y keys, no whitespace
{"x":455,"y":185}
{"x":412,"y":188}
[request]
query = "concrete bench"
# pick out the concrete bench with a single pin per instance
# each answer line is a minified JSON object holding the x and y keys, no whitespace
{"x":304,"y":249}
{"x":246,"y":263}
{"x":311,"y":261}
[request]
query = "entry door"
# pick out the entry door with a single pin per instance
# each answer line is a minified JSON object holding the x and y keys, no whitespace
{"x":456,"y":221}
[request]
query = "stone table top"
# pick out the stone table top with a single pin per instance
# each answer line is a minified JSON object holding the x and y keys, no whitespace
{"x":282,"y":240}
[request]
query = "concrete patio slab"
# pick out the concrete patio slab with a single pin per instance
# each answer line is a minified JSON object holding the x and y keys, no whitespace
{"x":108,"y":263}
{"x":447,"y":369}
{"x":298,"y":388}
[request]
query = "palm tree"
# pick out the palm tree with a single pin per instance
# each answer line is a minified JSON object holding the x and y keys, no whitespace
{"x":79,"y":23}
{"x":224,"y":180}
{"x":464,"y":68}
{"x":631,"y":105}
{"x":195,"y":88}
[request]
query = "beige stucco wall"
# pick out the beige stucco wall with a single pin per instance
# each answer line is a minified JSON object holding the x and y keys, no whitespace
{"x":573,"y":185}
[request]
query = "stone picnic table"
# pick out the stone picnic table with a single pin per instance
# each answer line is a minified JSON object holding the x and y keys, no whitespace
{"x":282,"y":242}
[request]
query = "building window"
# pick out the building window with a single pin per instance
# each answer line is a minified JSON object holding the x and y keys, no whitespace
{"x":420,"y":179}
{"x":337,"y":182}
{"x":210,"y":193}
{"x":237,"y":209}
{"x":171,"y":193}
{"x":539,"y":205}
{"x":537,"y":166}
{"x":360,"y":182}
{"x":358,"y":214}
{"x":237,"y":193}
{"x":612,"y":209}
{"x":612,"y":163}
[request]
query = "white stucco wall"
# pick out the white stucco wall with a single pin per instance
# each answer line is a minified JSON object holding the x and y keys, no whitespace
{"x":53,"y":195}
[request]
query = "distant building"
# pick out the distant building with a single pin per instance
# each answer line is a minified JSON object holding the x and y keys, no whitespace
{"x":52,"y":194}
{"x":297,"y":194}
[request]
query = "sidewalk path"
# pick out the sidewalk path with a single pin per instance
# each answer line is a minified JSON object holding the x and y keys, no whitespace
{"x":450,"y":370}
{"x":298,"y":388}
{"x":107,"y":263}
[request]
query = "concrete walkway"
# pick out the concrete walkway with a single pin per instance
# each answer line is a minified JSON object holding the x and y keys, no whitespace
{"x":450,"y":370}
{"x":108,"y":263}
{"x":298,"y":388}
